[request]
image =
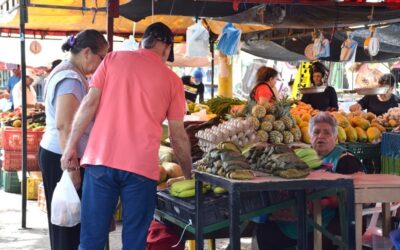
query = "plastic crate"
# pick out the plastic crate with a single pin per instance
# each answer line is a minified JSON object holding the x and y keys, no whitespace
{"x":41,"y":198}
{"x":32,"y":188}
{"x":390,"y":145}
{"x":12,"y":139}
{"x":1,"y":177}
{"x":11,"y":182}
{"x":252,"y":201}
{"x":12,"y":161}
{"x":368,"y":153}
{"x":216,"y":207}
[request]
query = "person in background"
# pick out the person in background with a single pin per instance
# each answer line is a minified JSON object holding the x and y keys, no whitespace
{"x":325,"y":101}
{"x":280,"y":231}
{"x":12,"y":81}
{"x":193,"y":87}
{"x":40,"y":83}
{"x":379,"y":104}
{"x":198,"y":81}
{"x":125,"y":92}
{"x":66,"y":87}
{"x":30,"y":94}
{"x":264,"y":90}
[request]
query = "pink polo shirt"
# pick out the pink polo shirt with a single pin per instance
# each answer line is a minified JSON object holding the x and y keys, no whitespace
{"x":138,"y":93}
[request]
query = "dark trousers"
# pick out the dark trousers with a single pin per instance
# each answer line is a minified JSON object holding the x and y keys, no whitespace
{"x":61,"y":238}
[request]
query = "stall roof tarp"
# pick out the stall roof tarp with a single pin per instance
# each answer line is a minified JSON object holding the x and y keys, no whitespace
{"x":64,"y":20}
{"x":313,"y":16}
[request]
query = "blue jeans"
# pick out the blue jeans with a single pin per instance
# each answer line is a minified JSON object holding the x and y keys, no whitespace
{"x":101,"y":188}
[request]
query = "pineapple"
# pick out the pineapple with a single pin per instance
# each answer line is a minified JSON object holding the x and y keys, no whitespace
{"x":269,"y":118}
{"x":266,"y":126}
{"x":275,"y":137}
{"x":287,"y":121}
{"x":278,"y":125}
{"x":262,"y":136}
{"x":269,"y":108}
{"x":296,"y":133}
{"x":282,"y":107}
{"x":258,"y":111}
{"x":254,"y":121}
{"x":288,"y":137}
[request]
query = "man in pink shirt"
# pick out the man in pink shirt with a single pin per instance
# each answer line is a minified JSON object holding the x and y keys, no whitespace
{"x":131,"y":94}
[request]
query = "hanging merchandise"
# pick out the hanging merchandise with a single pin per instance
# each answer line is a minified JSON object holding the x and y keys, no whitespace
{"x":197,"y":40}
{"x":321,"y":46}
{"x":349,"y":48}
{"x":229,"y":40}
{"x":371,"y":43}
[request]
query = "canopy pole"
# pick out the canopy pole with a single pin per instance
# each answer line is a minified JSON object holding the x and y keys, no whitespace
{"x":112,"y":12}
{"x":212,"y":65}
{"x":23,"y":19}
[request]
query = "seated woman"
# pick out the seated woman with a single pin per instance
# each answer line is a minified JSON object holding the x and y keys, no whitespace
{"x":379,"y":104}
{"x":325,"y":101}
{"x":282,"y":232}
{"x":30,"y":94}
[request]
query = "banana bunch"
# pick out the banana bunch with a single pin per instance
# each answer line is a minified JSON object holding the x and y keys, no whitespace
{"x":278,"y":160}
{"x":185,"y":189}
{"x":227,"y":161}
{"x":309,"y":156}
{"x":196,"y":107}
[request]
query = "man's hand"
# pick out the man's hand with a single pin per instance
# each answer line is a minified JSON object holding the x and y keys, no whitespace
{"x":76,"y":179}
{"x":69,"y":160}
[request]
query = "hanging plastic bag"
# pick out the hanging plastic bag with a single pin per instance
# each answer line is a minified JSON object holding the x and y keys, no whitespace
{"x":348,"y":52}
{"x":66,"y":205}
{"x":321,"y":47}
{"x":197,"y":40}
{"x":229,"y":40}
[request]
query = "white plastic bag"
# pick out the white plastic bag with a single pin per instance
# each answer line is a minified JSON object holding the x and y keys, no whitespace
{"x":197,"y":40}
{"x":66,"y":205}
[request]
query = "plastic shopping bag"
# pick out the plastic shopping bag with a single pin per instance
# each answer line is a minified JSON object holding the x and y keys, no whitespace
{"x":66,"y":205}
{"x":229,"y":40}
{"x":197,"y":40}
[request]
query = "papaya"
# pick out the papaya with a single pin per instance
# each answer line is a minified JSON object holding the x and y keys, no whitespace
{"x":306,"y":117}
{"x":351,"y":134}
{"x":360,"y":122}
{"x":342,"y":121}
{"x":373,"y":134}
{"x":371,"y":116}
{"x":305,"y":136}
{"x":297,"y":118}
{"x":361,"y":134}
{"x":380,"y":127}
{"x":341,"y":135}
{"x":304,"y":124}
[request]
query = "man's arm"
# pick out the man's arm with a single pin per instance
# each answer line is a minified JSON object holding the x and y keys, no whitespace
{"x":181,"y":145}
{"x":83,"y":117}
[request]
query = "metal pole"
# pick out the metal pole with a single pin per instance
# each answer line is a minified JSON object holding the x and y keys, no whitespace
{"x":212,"y":66}
{"x":112,"y":12}
{"x":23,"y":19}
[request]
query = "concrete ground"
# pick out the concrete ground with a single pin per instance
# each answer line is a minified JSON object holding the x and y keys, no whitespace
{"x":35,"y":237}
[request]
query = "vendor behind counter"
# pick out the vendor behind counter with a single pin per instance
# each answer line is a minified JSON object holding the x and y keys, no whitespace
{"x":325,"y":101}
{"x":379,"y":104}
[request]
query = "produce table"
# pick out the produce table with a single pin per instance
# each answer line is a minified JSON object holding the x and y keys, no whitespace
{"x":374,"y":188}
{"x":315,"y":181}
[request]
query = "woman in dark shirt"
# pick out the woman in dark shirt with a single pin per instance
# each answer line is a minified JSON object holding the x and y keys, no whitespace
{"x":193,"y":89}
{"x":379,"y":104}
{"x":325,"y":101}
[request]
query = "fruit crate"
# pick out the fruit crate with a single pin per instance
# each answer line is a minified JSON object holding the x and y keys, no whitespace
{"x":1,"y":177}
{"x":390,"y":149}
{"x":41,"y":198}
{"x":32,"y":188}
{"x":216,"y":207}
{"x":11,"y":182}
{"x":12,"y":139}
{"x":368,"y":153}
{"x":12,"y":161}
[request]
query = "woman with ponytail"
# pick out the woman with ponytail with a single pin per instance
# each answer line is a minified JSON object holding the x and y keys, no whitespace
{"x":66,"y":86}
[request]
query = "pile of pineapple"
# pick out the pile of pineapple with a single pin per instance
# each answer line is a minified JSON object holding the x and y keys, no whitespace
{"x":274,"y":123}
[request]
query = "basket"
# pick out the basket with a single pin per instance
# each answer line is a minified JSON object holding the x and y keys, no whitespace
{"x":11,"y":182}
{"x":390,"y":153}
{"x":216,"y":207}
{"x":12,"y":139}
{"x":368,"y":153}
{"x":12,"y":161}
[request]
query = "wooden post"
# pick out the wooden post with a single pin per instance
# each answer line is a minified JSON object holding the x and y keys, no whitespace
{"x":224,"y":76}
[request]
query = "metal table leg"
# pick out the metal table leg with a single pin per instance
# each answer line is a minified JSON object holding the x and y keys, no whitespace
{"x":199,"y":216}
{"x":234,"y":217}
{"x":302,"y":220}
{"x":350,"y":215}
